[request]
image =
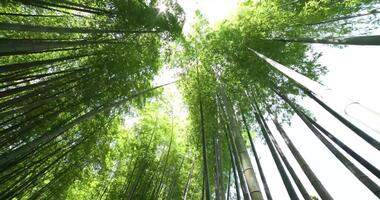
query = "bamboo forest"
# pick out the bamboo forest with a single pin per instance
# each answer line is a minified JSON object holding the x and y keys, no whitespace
{"x":149,"y":99}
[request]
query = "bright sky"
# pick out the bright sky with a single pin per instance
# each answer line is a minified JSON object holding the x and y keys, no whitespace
{"x":353,"y":71}
{"x":214,"y":10}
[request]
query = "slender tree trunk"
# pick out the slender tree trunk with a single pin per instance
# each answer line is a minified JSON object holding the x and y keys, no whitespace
{"x":55,"y":29}
{"x":23,"y":136}
{"x":253,"y":186}
{"x":351,"y":126}
{"x":85,"y":6}
{"x":12,"y":157}
{"x":68,"y":5}
{"x":298,"y":182}
{"x":372,"y":186}
{"x":147,"y":184}
{"x":39,"y":77}
{"x":57,"y":178}
{"x":219,"y":191}
{"x":20,"y":111}
{"x":26,"y":46}
{"x":151,"y":181}
{"x":20,"y":89}
{"x":228,"y":185}
{"x":240,"y":171}
{"x":28,"y":65}
{"x":26,"y":125}
{"x":30,"y":166}
{"x":203,"y":136}
{"x":217,"y":172}
{"x":175,"y":179}
{"x":127,"y":182}
{"x":12,"y":191}
{"x":157,"y":193}
{"x":347,"y":149}
{"x":288,"y":185}
{"x":18,"y":131}
{"x":233,"y":164}
{"x":203,"y":188}
{"x":305,"y":83}
{"x":372,"y":12}
{"x":56,"y":10}
{"x":27,"y":52}
{"x":23,"y":111}
{"x":142,"y":163}
{"x":265,"y":184}
{"x":28,"y":15}
{"x":188,"y":183}
{"x":356,"y":40}
{"x":138,"y":177}
{"x":24,"y":98}
{"x":323,"y":193}
{"x":5,"y":76}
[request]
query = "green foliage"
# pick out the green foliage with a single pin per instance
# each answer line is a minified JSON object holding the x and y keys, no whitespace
{"x":72,"y":73}
{"x":58,"y":76}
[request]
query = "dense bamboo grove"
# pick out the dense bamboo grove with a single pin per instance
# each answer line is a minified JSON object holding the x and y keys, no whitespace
{"x":80,"y":117}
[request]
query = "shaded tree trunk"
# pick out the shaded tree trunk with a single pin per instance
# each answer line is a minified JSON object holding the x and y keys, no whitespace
{"x":280,"y":167}
{"x":228,"y":185}
{"x":14,"y":190}
{"x":203,"y":138}
{"x":54,"y":29}
{"x":27,"y":46}
{"x":238,"y":167}
{"x":347,"y":149}
{"x":219,"y":190}
{"x":371,"y":185}
{"x":265,"y":184}
{"x":372,"y":12}
{"x":305,"y":83}
{"x":84,"y":6}
{"x":67,"y":5}
{"x":20,"y":89}
{"x":174,"y":180}
{"x":12,"y":157}
{"x":28,"y":65}
{"x":39,"y":77}
{"x":22,"y":98}
{"x":356,"y":40}
{"x":56,"y":10}
{"x":56,"y":179}
{"x":249,"y":174}
{"x":233,"y":164}
{"x":323,"y":193}
{"x":38,"y":84}
{"x":188,"y":183}
{"x":163,"y":174}
{"x":347,"y":123}
{"x":28,"y":15}
{"x":298,"y":182}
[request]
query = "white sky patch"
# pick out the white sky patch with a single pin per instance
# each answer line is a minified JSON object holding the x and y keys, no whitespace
{"x":130,"y":119}
{"x":171,"y":91}
{"x":162,"y":7}
{"x":214,"y":10}
{"x":166,"y":75}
